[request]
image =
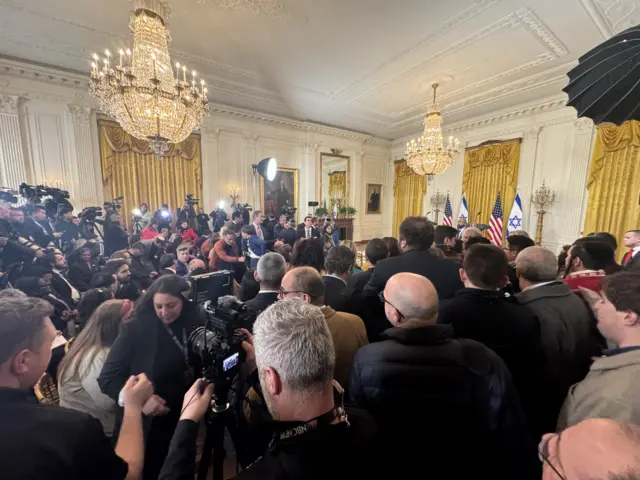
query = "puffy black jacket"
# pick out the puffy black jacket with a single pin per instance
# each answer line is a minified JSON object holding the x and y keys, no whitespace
{"x":446,"y":402}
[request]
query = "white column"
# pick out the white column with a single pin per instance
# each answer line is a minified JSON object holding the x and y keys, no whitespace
{"x":12,"y":162}
{"x":576,"y":188}
{"x":308,"y":176}
{"x":526,"y":176}
{"x":211,"y":185}
{"x":85,"y":178}
{"x":357,"y":193}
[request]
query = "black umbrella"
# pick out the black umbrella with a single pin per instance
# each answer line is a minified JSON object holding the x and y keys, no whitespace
{"x":605,"y":86}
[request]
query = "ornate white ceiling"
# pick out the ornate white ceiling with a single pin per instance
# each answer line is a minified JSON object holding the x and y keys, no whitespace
{"x":364,"y":65}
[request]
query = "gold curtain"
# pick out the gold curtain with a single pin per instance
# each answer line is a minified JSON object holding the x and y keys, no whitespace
{"x":614,"y":182}
{"x":338,"y":185}
{"x":488,"y":170}
{"x":131,"y":169}
{"x":409,"y":190}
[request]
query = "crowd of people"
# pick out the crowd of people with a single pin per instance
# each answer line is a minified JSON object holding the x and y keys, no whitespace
{"x":447,"y":356}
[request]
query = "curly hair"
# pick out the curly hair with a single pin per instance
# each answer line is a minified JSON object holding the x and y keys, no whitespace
{"x":308,"y":253}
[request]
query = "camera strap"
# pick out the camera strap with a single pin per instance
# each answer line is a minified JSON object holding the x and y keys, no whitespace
{"x":181,"y":346}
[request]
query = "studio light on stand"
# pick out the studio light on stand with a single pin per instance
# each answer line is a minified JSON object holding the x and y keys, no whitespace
{"x":267,"y":168}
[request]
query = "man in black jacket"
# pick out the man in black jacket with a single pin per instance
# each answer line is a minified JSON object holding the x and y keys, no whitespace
{"x":308,"y":231}
{"x":376,"y":251}
{"x":416,"y":238}
{"x":279,"y":227}
{"x":566,"y":326}
{"x":115,"y":238}
{"x":515,"y":245}
{"x":289,"y":234}
{"x":422,"y":378}
{"x":69,"y":230}
{"x":73,"y":444}
{"x":142,"y":270}
{"x":269,"y":272}
{"x":481,"y":312}
{"x":41,"y":228}
{"x":337,"y":264}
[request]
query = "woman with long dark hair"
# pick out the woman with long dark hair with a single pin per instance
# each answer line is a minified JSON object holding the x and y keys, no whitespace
{"x":89,"y":302}
{"x":308,"y":253}
{"x":392,"y":245}
{"x":154,"y":342}
{"x":78,"y":372}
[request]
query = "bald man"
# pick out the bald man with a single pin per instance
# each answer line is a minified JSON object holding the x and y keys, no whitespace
{"x":454,"y":395}
{"x":593,"y":449}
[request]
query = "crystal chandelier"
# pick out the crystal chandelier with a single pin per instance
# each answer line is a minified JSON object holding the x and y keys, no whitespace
{"x":427,"y":155}
{"x":142,"y":92}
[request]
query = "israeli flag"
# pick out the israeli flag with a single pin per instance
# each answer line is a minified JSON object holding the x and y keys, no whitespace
{"x":515,"y":217}
{"x":464,"y":210}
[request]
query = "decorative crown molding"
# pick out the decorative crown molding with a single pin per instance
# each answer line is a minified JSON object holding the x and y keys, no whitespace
{"x":612,"y":16}
{"x":9,"y":103}
{"x":584,"y":125}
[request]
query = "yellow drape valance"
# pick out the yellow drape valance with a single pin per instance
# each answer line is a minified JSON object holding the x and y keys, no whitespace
{"x":409,"y":190}
{"x":338,"y":185}
{"x":488,"y":170}
{"x":614,"y":181}
{"x":131,"y":169}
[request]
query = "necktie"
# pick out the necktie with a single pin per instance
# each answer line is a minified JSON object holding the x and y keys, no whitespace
{"x":308,"y":233}
{"x":627,"y":257}
{"x":259,"y":232}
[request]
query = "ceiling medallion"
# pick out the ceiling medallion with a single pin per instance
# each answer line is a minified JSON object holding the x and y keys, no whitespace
{"x":142,"y":92}
{"x":428,"y":155}
{"x":270,"y":8}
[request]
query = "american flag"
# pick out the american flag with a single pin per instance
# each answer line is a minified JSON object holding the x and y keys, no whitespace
{"x":495,"y":225}
{"x":448,"y":213}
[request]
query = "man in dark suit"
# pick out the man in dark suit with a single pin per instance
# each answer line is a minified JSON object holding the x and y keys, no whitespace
{"x":289,"y":235}
{"x":280,"y":227}
{"x":41,"y":228}
{"x":515,"y":244}
{"x":376,"y":251}
{"x":337,"y":264}
{"x":308,"y":231}
{"x":416,"y":238}
{"x":482,"y":312}
{"x":631,"y":260}
{"x":269,"y":272}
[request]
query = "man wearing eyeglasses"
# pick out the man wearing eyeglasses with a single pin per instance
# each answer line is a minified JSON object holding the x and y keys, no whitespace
{"x":348,"y":331}
{"x":594,"y":449}
{"x":455,"y":394}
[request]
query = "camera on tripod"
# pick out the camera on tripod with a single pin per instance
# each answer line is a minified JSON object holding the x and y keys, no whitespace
{"x":217,"y":346}
{"x":58,"y":198}
{"x":115,"y":205}
{"x":288,"y":211}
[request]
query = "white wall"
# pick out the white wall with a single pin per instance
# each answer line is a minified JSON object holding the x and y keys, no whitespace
{"x":556,"y":147}
{"x":48,"y":131}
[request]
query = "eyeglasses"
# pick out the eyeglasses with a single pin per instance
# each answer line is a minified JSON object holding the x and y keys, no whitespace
{"x":384,"y":300}
{"x":283,"y":293}
{"x":543,"y":455}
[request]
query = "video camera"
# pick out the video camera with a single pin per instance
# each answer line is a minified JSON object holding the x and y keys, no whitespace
{"x":218,"y":345}
{"x":58,"y":199}
{"x":189,"y":200}
{"x":8,"y":195}
{"x":116,"y":204}
{"x":288,"y":211}
{"x":242,"y":207}
{"x":89,"y":214}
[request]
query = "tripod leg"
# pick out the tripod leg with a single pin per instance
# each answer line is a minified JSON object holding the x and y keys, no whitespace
{"x":207,"y":450}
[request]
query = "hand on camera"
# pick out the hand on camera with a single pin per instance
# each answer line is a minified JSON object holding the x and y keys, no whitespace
{"x":247,"y":345}
{"x":241,"y":259}
{"x":196,"y":401}
{"x":137,"y":392}
{"x":155,"y":407}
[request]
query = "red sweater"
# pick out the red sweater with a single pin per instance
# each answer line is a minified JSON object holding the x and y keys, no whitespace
{"x":148,"y":234}
{"x":189,"y":234}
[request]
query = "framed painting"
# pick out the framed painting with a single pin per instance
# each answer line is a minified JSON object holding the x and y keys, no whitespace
{"x":374,"y":196}
{"x":280,"y":192}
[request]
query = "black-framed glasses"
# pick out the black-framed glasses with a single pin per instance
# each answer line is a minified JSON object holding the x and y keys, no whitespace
{"x":543,"y":455}
{"x":282,"y":292}
{"x":384,"y":300}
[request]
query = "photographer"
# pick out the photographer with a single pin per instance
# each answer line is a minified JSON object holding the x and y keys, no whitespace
{"x":203,"y":223}
{"x":187,"y":213}
{"x":115,"y":238}
{"x":154,"y":343}
{"x":314,"y":436}
{"x":43,"y":441}
{"x":141,"y":218}
{"x":12,"y":249}
{"x":40,"y":227}
{"x":163,"y":217}
{"x":70,"y":231}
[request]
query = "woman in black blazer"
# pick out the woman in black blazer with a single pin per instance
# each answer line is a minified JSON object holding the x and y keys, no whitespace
{"x":154,"y":343}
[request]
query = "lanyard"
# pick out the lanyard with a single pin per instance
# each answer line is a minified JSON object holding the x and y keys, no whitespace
{"x":181,"y":346}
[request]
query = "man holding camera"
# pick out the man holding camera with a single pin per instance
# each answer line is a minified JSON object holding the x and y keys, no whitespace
{"x":163,"y":217}
{"x":69,"y":230}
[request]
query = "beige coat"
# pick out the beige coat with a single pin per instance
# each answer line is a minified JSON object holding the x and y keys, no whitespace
{"x":610,"y":390}
{"x":349,"y":334}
